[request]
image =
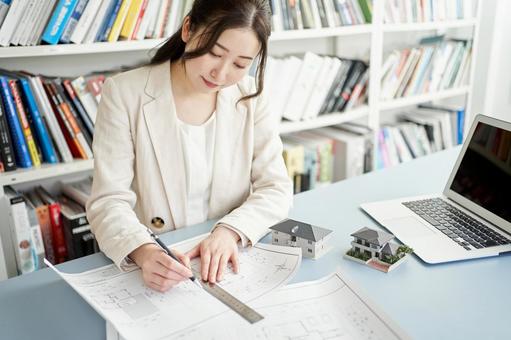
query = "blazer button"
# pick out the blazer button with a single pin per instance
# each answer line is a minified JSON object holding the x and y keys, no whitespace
{"x":158,"y":222}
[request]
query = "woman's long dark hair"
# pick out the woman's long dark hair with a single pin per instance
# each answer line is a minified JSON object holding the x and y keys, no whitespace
{"x":216,"y":16}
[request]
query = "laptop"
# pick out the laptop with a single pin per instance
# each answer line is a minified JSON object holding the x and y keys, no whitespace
{"x":472,"y":217}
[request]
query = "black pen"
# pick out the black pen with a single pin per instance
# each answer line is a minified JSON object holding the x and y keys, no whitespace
{"x":167,"y":250}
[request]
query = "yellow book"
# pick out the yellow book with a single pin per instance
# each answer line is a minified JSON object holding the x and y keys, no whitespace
{"x":119,"y":21}
{"x":131,"y":19}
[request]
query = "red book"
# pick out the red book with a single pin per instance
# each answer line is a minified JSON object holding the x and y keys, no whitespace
{"x":59,"y":241}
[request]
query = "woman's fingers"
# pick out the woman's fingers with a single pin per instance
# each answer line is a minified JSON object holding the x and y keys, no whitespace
{"x":235,"y":261}
{"x":205,"y":260}
{"x":221,"y":267}
{"x":213,"y":267}
{"x":194,"y":252}
{"x":174,"y":266}
{"x":185,"y":260}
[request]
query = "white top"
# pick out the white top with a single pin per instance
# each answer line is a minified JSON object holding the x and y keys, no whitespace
{"x":198,"y":149}
{"x":198,"y":143}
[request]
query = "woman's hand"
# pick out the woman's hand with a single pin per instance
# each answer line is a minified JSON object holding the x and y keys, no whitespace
{"x":159,"y":271}
{"x":215,"y":252}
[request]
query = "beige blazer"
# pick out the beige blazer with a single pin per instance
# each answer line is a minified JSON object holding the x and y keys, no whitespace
{"x":139,"y":172}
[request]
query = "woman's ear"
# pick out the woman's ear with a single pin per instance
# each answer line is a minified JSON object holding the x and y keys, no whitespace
{"x":186,"y":31}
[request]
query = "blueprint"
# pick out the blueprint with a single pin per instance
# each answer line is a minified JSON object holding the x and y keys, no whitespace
{"x":329,"y":308}
{"x":138,"y":312}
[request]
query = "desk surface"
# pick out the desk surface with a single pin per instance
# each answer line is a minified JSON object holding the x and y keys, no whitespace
{"x":461,"y":300}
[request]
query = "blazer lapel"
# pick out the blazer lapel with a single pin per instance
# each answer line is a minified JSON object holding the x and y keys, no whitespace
{"x":160,"y":118}
{"x":230,"y":120}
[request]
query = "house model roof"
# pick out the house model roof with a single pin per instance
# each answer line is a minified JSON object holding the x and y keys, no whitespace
{"x":390,"y":249}
{"x":376,"y":237}
{"x":302,"y":230}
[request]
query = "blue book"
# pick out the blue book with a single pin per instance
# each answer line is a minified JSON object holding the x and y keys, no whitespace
{"x":73,"y":21}
{"x":461,"y":124}
{"x":104,"y":32}
{"x":49,"y":154}
{"x":106,"y":19}
{"x":20,"y":145}
{"x":58,"y":20}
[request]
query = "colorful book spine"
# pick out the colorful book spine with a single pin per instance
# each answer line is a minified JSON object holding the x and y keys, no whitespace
{"x":57,"y":23}
{"x":119,"y":21}
{"x":6,"y":146}
{"x":73,"y":21}
{"x":48,"y":152}
{"x":131,"y":19}
{"x":20,"y":146}
{"x":29,"y":137}
{"x":79,"y":107}
{"x":104,"y":32}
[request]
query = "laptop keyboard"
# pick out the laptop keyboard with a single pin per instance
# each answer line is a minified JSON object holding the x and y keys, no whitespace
{"x":460,"y":227}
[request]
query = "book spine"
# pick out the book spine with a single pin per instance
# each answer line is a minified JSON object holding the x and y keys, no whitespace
{"x":51,"y":120}
{"x":74,"y":231}
{"x":11,"y":21}
{"x":131,"y":19}
{"x":29,"y":137}
{"x":66,"y":129}
{"x":47,"y":149}
{"x":4,"y":8}
{"x":43,"y":216}
{"x":59,"y":241}
{"x":79,"y":107}
{"x":85,"y":22}
{"x":6,"y":146}
{"x":20,"y":229}
{"x":98,"y":21}
{"x":58,"y":21}
{"x":109,"y":22}
{"x":73,"y":21}
{"x":86,"y":98}
{"x":20,"y":146}
{"x":35,"y":38}
{"x":119,"y":21}
{"x":87,"y":152}
{"x":25,"y":22}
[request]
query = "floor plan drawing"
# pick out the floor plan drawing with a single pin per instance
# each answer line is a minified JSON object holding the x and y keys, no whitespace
{"x":138,"y":312}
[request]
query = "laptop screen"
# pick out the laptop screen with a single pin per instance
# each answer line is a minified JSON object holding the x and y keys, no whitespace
{"x":484,"y":174}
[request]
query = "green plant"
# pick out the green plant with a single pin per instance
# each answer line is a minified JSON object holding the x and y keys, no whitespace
{"x":358,"y":255}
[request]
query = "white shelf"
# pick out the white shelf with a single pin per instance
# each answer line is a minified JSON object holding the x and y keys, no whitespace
{"x":422,"y":98}
{"x":45,"y":171}
{"x":325,"y":120}
{"x":144,"y":45}
{"x":424,"y":26}
{"x":320,"y":33}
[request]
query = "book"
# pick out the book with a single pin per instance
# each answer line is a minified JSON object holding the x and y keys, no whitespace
{"x":131,"y":19}
{"x":21,"y":153}
{"x":119,"y":21}
{"x":20,"y":231}
{"x":79,"y":239}
{"x":97,"y":21}
{"x":293,"y":155}
{"x":86,"y":98}
{"x":4,"y":8}
{"x":71,"y":94}
{"x":85,"y":22}
{"x":26,"y":21}
{"x":41,"y":133}
{"x":109,"y":21}
{"x":6,"y":145}
{"x":43,"y":216}
{"x":79,"y":191}
{"x":59,"y":242}
{"x":58,"y":21}
{"x":22,"y":116}
{"x":36,"y":238}
{"x":46,"y":11}
{"x":73,"y":21}
{"x":11,"y":21}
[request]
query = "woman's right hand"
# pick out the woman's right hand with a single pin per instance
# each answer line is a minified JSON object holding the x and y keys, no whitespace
{"x":159,"y":271}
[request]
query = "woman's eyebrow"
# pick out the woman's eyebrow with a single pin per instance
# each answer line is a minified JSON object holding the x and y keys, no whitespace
{"x":227,"y":50}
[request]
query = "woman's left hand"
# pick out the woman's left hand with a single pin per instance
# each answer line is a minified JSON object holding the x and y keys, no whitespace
{"x":220,"y":247}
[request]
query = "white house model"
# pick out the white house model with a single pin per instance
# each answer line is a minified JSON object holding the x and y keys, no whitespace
{"x":312,"y":239}
{"x":373,"y":243}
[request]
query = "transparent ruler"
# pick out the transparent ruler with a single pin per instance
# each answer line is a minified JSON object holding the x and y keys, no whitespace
{"x":230,"y":301}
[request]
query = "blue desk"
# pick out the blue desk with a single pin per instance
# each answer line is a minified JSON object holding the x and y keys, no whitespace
{"x":463,"y":300}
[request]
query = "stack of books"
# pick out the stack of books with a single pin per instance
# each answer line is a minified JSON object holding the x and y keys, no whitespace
{"x":426,"y":68}
{"x":319,"y":157}
{"x":421,"y":131}
{"x":408,"y":11}
{"x":305,"y":88}
{"x":46,"y":120}
{"x":303,"y":14}
{"x":34,"y":22}
{"x":48,"y":226}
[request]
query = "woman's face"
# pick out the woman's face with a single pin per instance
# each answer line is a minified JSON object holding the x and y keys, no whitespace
{"x":226,"y":64}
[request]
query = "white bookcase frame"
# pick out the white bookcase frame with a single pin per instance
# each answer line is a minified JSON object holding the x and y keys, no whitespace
{"x":370,"y":112}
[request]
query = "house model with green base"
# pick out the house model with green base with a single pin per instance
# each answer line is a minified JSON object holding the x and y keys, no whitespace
{"x":373,"y":248}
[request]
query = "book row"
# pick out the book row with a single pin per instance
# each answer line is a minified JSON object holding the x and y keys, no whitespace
{"x":319,"y":85}
{"x":44,"y":226}
{"x":408,"y":11}
{"x":34,"y":22}
{"x":430,"y":67}
{"x":318,"y":157}
{"x":421,"y":131}
{"x":304,"y":14}
{"x":46,"y":120}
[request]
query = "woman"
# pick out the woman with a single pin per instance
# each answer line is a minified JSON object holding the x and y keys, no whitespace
{"x":186,"y":139}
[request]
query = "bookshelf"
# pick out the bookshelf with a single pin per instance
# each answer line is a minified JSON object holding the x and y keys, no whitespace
{"x":41,"y":58}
